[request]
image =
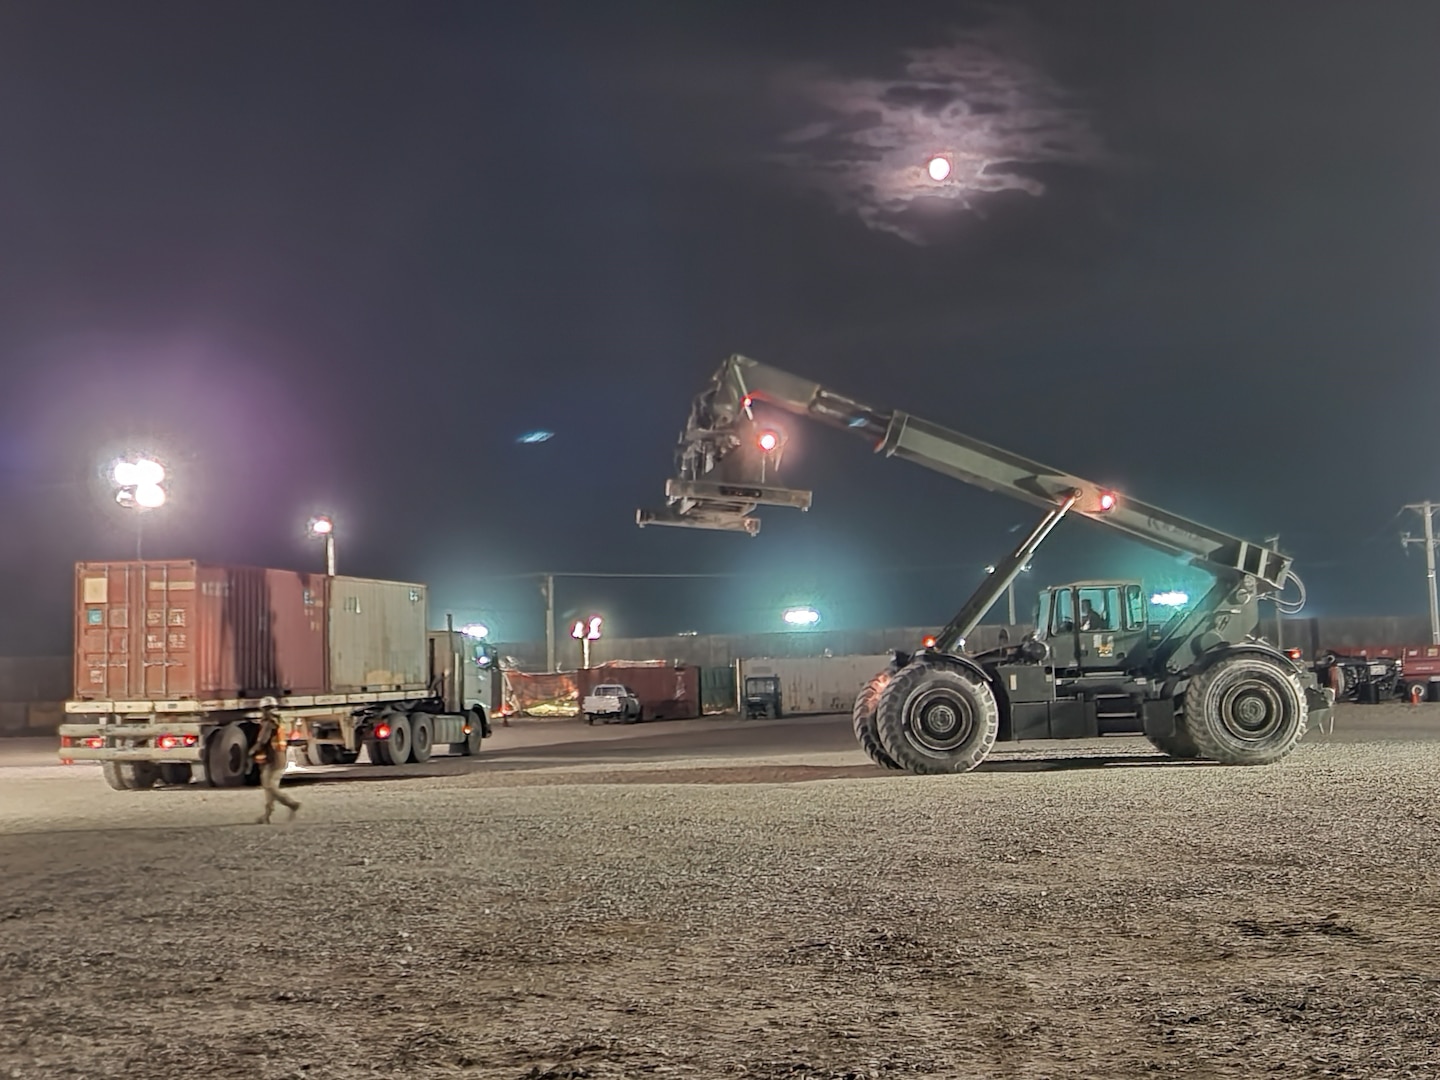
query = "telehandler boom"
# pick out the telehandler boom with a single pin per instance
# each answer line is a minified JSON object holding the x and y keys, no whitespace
{"x":1203,"y":685}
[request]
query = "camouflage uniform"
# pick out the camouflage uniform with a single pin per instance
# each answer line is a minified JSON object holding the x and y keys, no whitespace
{"x":271,"y":757}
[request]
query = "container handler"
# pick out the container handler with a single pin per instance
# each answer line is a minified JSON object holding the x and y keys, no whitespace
{"x":1203,"y":685}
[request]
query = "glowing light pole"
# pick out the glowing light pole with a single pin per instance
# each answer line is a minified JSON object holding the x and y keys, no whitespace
{"x":323,"y":528}
{"x":585,"y":631}
{"x":139,"y":484}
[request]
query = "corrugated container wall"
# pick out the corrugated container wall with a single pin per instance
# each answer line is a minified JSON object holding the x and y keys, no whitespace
{"x":176,"y":629}
{"x":818,"y":684}
{"x":378,"y":636}
{"x":717,"y":689}
{"x":665,"y":692}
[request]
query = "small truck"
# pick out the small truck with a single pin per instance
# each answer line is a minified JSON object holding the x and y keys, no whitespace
{"x":612,"y":702}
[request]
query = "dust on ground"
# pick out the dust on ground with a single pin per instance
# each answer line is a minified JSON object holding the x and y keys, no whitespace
{"x":769,"y":906}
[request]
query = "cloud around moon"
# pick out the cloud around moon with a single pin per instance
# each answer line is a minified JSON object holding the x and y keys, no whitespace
{"x":979,"y":100}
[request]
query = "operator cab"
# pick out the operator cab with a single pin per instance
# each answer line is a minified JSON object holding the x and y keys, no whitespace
{"x":1094,"y":625}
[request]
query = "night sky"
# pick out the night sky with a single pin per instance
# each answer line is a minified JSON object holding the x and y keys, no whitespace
{"x":341,"y":256}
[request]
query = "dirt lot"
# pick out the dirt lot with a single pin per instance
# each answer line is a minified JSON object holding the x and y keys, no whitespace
{"x":725,"y":899}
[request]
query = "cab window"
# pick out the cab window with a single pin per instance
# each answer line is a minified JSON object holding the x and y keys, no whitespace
{"x":1100,"y":608}
{"x":1042,"y":616}
{"x":1063,"y":620}
{"x":1134,"y":608}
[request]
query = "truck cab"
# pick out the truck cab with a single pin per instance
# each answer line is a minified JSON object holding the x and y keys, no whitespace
{"x":762,"y":696}
{"x":1095,"y":625}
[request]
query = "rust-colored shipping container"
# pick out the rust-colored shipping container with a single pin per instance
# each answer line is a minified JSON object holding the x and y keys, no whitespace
{"x":666,"y":691}
{"x":176,"y":630}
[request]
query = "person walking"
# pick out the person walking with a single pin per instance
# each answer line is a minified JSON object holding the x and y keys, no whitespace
{"x":271,"y":758}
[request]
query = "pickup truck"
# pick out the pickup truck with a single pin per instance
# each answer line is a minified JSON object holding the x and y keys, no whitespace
{"x":612,"y":702}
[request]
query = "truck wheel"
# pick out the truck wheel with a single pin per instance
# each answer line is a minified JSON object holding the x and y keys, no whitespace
{"x":130,"y":775}
{"x":227,"y":757}
{"x":1247,"y":710}
{"x":394,"y":748}
{"x":863,"y":717}
{"x":176,"y":773}
{"x":475,"y":737}
{"x":422,"y":744}
{"x":936,"y":719}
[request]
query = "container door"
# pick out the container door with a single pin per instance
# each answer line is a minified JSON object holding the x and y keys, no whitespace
{"x":168,"y":597}
{"x":106,"y":665}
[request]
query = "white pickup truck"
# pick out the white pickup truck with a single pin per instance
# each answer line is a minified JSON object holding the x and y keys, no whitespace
{"x":612,"y":702}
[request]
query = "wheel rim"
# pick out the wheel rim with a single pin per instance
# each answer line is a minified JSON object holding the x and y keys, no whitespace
{"x":1252,"y":710}
{"x":234,"y":758}
{"x":940,"y":720}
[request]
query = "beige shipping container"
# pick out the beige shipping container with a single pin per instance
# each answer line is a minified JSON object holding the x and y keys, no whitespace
{"x":378,"y":636}
{"x":814,"y":684}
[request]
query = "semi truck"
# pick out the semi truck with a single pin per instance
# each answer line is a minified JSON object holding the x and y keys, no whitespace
{"x":174,"y":660}
{"x":1201,"y":685}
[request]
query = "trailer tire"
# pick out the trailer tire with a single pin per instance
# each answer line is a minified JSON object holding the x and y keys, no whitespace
{"x":395,"y":748}
{"x":227,"y":757}
{"x":130,"y":775}
{"x":176,"y":773}
{"x":862,"y":716}
{"x":422,"y":742}
{"x":1245,"y":710}
{"x":937,"y":719}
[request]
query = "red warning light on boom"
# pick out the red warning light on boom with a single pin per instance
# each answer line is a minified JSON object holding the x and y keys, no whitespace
{"x":768,"y":441}
{"x":1108,"y":499}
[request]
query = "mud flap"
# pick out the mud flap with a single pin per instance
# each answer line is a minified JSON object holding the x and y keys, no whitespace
{"x":1160,"y":718}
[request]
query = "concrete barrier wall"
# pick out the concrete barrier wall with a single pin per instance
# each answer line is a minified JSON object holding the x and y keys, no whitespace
{"x":719,"y":650}
{"x":32,"y":692}
{"x":1314,"y":635}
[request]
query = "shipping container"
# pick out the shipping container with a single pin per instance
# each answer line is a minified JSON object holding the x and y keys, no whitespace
{"x":378,"y":636}
{"x":717,"y":689}
{"x":175,"y":630}
{"x":817,"y":684}
{"x":180,"y":630}
{"x":666,"y":691}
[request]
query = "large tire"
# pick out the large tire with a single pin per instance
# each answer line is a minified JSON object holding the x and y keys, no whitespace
{"x":394,"y":749}
{"x":1246,"y":710}
{"x":867,"y":734}
{"x":422,"y":742}
{"x":130,"y":775}
{"x":936,"y":719}
{"x":176,"y":773}
{"x":227,"y":758}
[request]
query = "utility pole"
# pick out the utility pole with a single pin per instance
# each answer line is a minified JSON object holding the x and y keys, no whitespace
{"x":549,"y":622}
{"x":1427,"y":511}
{"x":1274,"y":544}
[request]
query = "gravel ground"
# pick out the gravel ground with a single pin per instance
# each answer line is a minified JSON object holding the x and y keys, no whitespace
{"x":754,"y":912}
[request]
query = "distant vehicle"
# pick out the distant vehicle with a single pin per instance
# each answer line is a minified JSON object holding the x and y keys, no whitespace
{"x":1368,"y":680}
{"x":762,"y":696}
{"x":612,"y":702}
{"x":174,"y":659}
